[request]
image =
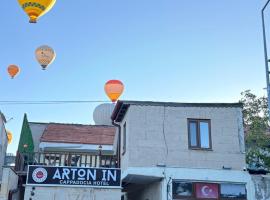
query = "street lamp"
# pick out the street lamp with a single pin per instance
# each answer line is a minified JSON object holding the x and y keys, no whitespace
{"x":266,"y":57}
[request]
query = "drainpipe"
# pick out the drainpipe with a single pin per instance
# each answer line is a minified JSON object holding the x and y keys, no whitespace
{"x":118,"y":143}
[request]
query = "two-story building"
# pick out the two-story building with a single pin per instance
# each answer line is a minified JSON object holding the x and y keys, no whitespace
{"x":68,"y":161}
{"x":182,"y":151}
{"x":3,"y":142}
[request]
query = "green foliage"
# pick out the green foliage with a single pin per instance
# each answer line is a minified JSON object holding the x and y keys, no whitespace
{"x":256,"y":122}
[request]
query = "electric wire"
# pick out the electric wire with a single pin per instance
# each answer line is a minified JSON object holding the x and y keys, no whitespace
{"x":51,"y":102}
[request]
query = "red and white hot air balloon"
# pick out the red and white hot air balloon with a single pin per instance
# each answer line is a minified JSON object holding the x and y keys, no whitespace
{"x":114,"y":89}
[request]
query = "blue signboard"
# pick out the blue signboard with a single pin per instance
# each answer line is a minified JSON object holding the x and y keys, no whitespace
{"x":74,"y":177}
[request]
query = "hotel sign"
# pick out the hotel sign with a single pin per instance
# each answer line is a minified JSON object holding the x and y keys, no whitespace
{"x":74,"y":177}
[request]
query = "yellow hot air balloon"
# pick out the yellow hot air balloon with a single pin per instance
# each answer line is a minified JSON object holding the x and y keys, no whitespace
{"x":9,"y":137}
{"x":36,"y":8}
{"x":45,"y":55}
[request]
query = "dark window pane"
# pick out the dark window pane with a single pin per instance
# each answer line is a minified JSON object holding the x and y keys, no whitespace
{"x":193,"y":134}
{"x":204,"y":134}
{"x":181,"y":189}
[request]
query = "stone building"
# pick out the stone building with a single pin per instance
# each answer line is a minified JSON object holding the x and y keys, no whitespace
{"x":182,"y":151}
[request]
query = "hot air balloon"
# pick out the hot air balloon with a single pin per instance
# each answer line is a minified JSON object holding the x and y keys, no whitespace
{"x":9,"y":137}
{"x":114,"y":89}
{"x":13,"y":70}
{"x":36,"y":8}
{"x":45,"y":55}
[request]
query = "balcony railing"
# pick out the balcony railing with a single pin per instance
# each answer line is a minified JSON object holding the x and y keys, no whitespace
{"x":64,"y":159}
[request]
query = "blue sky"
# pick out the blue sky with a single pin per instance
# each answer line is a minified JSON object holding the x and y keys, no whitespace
{"x":163,"y":50}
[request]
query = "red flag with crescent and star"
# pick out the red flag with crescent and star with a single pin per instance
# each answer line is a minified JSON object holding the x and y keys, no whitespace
{"x":207,"y":191}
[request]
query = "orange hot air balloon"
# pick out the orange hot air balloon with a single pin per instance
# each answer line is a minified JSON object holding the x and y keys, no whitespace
{"x":13,"y":70}
{"x":9,"y":137}
{"x":114,"y":89}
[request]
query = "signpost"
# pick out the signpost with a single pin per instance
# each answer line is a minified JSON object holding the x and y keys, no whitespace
{"x":74,"y":177}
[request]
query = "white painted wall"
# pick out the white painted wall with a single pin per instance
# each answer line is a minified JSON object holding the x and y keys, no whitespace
{"x":3,"y":145}
{"x":146,"y":146}
{"x":37,"y":130}
{"x":69,"y":193}
{"x":262,"y":186}
{"x":9,"y":182}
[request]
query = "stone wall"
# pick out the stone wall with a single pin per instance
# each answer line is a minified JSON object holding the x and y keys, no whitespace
{"x":152,"y":131}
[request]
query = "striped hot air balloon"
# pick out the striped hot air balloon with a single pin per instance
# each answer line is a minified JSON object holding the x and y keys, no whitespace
{"x":114,"y":89}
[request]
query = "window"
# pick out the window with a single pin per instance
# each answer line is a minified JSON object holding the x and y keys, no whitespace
{"x":207,"y":191}
{"x":233,"y":191}
{"x":199,"y":134}
{"x":187,"y":190}
{"x":182,"y":190}
{"x":124,"y":138}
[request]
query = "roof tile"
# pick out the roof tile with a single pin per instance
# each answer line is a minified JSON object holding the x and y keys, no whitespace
{"x":79,"y":134}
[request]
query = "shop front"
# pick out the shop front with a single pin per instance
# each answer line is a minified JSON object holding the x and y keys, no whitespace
{"x":200,"y":190}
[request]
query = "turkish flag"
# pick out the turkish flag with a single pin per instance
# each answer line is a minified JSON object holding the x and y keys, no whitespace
{"x":207,"y":191}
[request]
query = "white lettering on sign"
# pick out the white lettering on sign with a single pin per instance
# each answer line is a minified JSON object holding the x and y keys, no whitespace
{"x":81,"y":174}
{"x":84,"y":174}
{"x":104,"y":175}
{"x":73,"y":172}
{"x":57,"y":174}
{"x":92,"y":174}
{"x":110,"y":175}
{"x":66,"y":173}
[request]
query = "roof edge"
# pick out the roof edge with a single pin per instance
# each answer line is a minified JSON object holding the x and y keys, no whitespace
{"x":69,"y":124}
{"x":125,"y":104}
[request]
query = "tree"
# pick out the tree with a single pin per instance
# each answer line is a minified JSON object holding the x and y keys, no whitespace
{"x":256,"y":124}
{"x":26,"y":143}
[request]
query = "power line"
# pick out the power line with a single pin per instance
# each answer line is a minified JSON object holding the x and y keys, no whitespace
{"x":51,"y":102}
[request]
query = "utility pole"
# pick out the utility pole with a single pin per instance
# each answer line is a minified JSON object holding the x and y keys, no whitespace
{"x":266,"y":56}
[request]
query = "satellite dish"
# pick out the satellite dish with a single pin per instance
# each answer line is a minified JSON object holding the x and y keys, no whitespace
{"x":102,"y":114}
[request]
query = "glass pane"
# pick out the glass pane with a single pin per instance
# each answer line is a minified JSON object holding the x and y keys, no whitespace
{"x":233,"y":191}
{"x":182,"y":189}
{"x":193,"y":134}
{"x":204,"y":133}
{"x":207,"y":191}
